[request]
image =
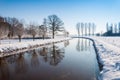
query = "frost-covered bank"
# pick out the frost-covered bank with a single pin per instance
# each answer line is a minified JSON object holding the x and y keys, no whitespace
{"x":109,"y":52}
{"x":10,"y":49}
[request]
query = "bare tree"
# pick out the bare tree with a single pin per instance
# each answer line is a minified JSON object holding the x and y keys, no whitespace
{"x":15,"y":28}
{"x":111,"y":30}
{"x":42,"y":30}
{"x":93,"y":29}
{"x":82,"y":26}
{"x":32,"y":30}
{"x":19,"y":30}
{"x":115,"y":28}
{"x":55,"y":24}
{"x":85,"y":29}
{"x":107,"y":27}
{"x":119,"y":27}
{"x":89,"y":28}
{"x":4,"y":28}
{"x":13,"y":23}
{"x":45,"y":26}
{"x":78,"y":28}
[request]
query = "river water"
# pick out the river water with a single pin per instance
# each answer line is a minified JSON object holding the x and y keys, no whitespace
{"x":69,"y":60}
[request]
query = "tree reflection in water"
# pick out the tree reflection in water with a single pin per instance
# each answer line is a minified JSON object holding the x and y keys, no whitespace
{"x":83,"y":45}
{"x":78,"y":45}
{"x":34,"y":59}
{"x":66,"y":43}
{"x":86,"y":45}
{"x":56,"y":55}
{"x":53,"y":55}
{"x":44,"y":52}
{"x":20,"y":65}
{"x":4,"y":70}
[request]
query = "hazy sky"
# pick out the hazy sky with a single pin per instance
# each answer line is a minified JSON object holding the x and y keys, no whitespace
{"x":70,"y":11}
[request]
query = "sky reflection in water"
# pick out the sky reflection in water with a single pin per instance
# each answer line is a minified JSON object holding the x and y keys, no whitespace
{"x":69,"y":60}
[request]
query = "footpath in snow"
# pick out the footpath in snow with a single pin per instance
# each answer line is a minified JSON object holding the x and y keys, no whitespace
{"x":14,"y":47}
{"x":109,"y":53}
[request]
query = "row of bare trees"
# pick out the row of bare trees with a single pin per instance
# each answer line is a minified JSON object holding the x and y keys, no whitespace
{"x":112,"y":29}
{"x":12,"y":27}
{"x":86,"y":29}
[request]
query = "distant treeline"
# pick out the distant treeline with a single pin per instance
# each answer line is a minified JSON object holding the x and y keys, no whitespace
{"x":85,"y":29}
{"x":11,"y":27}
{"x":112,"y":30}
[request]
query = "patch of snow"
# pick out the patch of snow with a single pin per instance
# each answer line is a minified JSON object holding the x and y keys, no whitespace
{"x":109,"y":53}
{"x":6,"y":48}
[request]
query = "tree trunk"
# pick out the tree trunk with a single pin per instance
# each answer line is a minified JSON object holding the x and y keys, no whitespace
{"x":0,"y":41}
{"x":53,"y":30}
{"x":53,"y":34}
{"x":54,"y":54}
{"x":33,"y":38}
{"x":19,"y":38}
{"x":43,"y":37}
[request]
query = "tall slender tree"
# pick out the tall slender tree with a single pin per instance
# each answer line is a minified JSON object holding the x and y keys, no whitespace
{"x":107,"y":27}
{"x":119,"y":27}
{"x":115,"y":28}
{"x":78,"y":28}
{"x":93,"y":29}
{"x":89,"y":28}
{"x":85,"y":29}
{"x":111,"y":29}
{"x":82,"y":27}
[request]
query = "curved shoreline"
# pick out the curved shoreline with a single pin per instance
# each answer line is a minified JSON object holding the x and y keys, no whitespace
{"x":97,"y":54}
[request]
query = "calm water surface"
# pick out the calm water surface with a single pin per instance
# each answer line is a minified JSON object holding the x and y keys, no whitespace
{"x":69,"y":60}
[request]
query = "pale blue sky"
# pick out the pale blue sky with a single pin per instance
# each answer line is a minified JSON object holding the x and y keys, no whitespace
{"x":70,"y":11}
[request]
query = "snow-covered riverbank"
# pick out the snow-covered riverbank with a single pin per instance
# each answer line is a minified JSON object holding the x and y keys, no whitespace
{"x":12,"y":47}
{"x":109,"y":52}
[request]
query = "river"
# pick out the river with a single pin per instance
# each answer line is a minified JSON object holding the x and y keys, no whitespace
{"x":69,"y":60}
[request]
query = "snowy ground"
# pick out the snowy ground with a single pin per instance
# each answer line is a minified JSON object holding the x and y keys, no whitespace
{"x":109,"y":52}
{"x":9,"y":47}
{"x":10,"y":41}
